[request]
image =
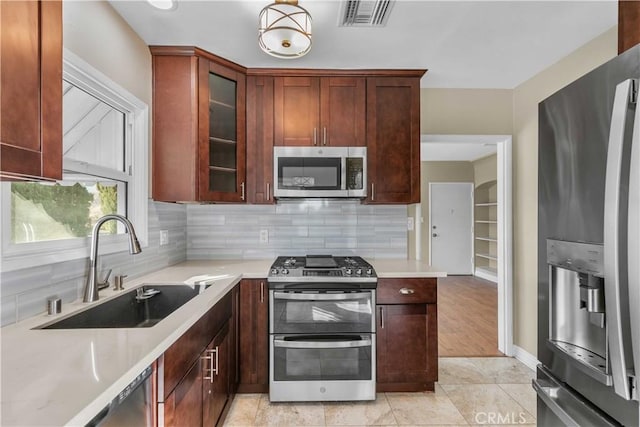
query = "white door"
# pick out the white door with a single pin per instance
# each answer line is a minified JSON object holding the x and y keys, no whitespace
{"x":451,"y":227}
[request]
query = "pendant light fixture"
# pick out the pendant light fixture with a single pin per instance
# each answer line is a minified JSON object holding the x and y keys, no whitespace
{"x":285,"y":29}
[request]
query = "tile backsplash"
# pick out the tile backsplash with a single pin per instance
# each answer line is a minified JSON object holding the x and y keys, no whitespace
{"x":336,"y":227}
{"x":220,"y":232}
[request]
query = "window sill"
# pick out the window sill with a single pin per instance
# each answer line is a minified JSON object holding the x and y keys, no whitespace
{"x":29,"y":255}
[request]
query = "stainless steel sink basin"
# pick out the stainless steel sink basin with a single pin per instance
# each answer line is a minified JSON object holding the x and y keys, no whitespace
{"x":137,"y":308}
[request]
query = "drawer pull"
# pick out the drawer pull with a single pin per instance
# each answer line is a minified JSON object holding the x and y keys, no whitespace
{"x":406,"y":291}
{"x":212,"y":359}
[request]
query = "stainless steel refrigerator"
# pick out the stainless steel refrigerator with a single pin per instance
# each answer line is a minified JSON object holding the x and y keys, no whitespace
{"x":589,"y":249}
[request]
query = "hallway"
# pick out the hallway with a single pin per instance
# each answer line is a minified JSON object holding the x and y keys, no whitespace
{"x":467,"y":317}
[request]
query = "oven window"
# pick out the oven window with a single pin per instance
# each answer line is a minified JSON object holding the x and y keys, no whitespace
{"x":330,"y":358}
{"x":322,"y":312}
{"x":299,"y":173}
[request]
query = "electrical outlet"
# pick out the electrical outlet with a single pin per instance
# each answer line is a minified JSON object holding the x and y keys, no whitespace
{"x":164,"y":237}
{"x":264,"y":236}
{"x":410,"y":223}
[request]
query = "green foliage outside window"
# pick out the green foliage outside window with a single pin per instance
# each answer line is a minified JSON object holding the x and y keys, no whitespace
{"x":109,"y":202}
{"x":67,"y":204}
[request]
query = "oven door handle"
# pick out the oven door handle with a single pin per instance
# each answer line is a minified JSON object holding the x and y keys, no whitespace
{"x":321,"y":344}
{"x":342,"y":296}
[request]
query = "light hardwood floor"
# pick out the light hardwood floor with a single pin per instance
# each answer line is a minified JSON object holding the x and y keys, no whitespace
{"x":467,"y":317}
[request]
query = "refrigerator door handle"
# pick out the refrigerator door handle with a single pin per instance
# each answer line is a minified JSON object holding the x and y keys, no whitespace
{"x":633,"y":250}
{"x":616,"y":310}
{"x":548,"y":393}
{"x":570,"y":408}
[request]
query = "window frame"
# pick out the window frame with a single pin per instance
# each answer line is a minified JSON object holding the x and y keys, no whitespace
{"x":23,"y":255}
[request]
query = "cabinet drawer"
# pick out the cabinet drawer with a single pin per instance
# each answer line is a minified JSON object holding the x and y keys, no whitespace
{"x":407,"y":291}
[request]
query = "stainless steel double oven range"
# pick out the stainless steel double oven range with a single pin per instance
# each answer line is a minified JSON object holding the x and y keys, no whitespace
{"x":322,"y":336}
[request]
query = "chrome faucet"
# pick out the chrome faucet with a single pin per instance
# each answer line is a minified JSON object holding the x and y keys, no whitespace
{"x":92,"y":285}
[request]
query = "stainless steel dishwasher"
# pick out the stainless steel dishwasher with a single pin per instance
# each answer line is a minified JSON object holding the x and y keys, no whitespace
{"x":133,"y":406}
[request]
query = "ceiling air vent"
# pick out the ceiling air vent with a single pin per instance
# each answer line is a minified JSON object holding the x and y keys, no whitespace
{"x":365,"y":13}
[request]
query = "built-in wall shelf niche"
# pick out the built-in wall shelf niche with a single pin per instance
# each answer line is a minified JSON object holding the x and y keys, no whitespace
{"x":486,"y":230}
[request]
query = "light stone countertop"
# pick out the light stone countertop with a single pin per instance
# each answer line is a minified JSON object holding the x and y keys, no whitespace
{"x":390,"y":268}
{"x":66,"y":377}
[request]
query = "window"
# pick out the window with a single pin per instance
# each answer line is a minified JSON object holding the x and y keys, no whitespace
{"x":105,"y":156}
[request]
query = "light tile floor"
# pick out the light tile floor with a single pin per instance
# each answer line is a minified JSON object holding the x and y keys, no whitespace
{"x":470,"y":391}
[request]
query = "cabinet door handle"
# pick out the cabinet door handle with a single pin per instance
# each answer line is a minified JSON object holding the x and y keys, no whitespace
{"x":315,"y":136}
{"x":242,"y":191}
{"x":215,"y":370}
{"x":373,"y":192}
{"x":208,"y":358}
{"x":268,"y":191}
{"x":324,"y":135}
{"x":381,"y":318}
{"x":261,"y":292}
{"x":406,"y":291}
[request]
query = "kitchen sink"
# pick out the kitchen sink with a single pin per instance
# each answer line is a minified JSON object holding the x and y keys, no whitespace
{"x":142,"y":307}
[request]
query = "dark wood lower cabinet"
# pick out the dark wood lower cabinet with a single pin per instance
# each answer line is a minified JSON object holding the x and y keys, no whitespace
{"x":180,"y":408}
{"x":215,"y":378}
{"x":202,"y":395}
{"x":253,"y":337}
{"x":407,"y":335}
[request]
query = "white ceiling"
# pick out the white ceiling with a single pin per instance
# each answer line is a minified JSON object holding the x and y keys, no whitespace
{"x":471,"y":44}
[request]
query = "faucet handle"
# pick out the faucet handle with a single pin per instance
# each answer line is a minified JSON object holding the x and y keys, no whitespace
{"x":118,"y":282}
{"x":104,"y":283}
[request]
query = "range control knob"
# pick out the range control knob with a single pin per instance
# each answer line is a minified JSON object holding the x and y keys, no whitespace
{"x":359,"y":272}
{"x":284,"y":271}
{"x":348,"y":272}
{"x":274,"y":271}
{"x":369,"y":271}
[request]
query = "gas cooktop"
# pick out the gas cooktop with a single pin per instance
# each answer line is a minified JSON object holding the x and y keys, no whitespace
{"x":316,"y":268}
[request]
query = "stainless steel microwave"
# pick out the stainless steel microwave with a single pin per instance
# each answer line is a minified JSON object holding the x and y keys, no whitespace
{"x":320,"y":172}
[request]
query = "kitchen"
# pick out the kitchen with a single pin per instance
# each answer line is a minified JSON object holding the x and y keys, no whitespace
{"x":86,"y":37}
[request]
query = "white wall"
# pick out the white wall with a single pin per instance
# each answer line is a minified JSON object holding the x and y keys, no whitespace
{"x":515,"y":112}
{"x":95,"y":32}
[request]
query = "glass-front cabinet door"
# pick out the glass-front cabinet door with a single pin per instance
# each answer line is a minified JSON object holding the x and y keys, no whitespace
{"x":222,"y":133}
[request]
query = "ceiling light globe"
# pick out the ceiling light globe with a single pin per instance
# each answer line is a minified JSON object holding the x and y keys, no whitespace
{"x":163,"y":4}
{"x":285,"y":30}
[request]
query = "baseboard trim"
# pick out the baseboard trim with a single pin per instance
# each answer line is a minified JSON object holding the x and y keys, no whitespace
{"x":485,"y":275}
{"x":525,"y":357}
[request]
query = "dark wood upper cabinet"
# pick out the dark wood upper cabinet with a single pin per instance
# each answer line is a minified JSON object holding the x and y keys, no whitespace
{"x":628,"y":24}
{"x":342,"y":111}
{"x":319,"y":111}
{"x":296,"y":110}
{"x":31,"y":90}
{"x":260,"y":139}
{"x":393,"y":139}
{"x":215,"y":124}
{"x":199,"y":144}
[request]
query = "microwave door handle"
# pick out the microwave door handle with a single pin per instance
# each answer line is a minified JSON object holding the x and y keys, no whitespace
{"x":617,"y":314}
{"x":346,"y":296}
{"x":343,"y":173}
{"x":634,"y":248}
